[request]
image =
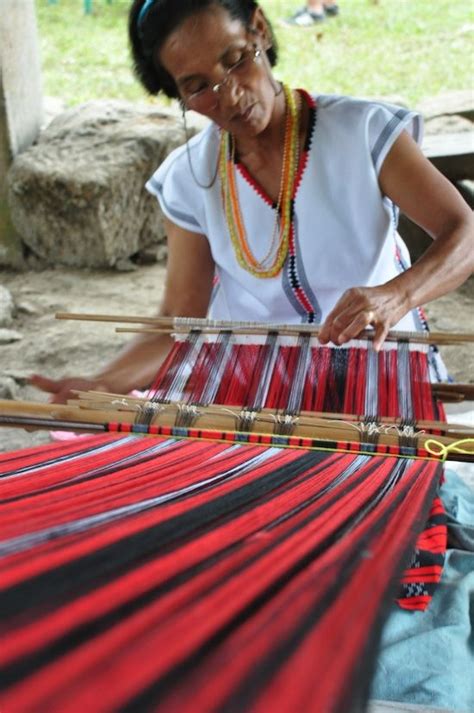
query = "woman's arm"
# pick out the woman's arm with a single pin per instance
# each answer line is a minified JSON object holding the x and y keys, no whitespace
{"x":189,"y":276}
{"x":431,"y":201}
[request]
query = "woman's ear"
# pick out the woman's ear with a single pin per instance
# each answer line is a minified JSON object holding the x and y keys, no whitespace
{"x":259,"y":27}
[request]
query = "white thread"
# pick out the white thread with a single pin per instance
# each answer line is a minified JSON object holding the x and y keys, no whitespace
{"x":407,"y":431}
{"x":189,"y":410}
{"x":285,"y":419}
{"x":151,"y":406}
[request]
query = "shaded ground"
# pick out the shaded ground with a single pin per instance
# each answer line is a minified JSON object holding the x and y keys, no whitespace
{"x":56,"y":348}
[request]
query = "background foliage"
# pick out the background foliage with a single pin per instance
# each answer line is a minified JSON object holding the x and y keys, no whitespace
{"x":399,"y":48}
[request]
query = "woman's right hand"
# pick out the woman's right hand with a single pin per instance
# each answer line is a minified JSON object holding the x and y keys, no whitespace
{"x":62,"y":389}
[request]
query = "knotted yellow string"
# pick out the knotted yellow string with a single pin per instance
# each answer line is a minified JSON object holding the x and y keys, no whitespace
{"x":442,"y":451}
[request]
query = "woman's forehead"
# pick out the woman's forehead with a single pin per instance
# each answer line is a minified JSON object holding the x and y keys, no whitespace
{"x":200,"y":41}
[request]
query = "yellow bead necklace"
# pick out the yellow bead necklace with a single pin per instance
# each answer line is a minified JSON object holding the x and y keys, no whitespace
{"x":271,"y":264}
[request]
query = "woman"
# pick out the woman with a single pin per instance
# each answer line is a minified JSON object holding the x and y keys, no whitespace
{"x":290,"y":199}
{"x":306,"y":232}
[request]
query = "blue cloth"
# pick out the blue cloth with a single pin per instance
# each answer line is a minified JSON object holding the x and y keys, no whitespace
{"x":427,"y":658}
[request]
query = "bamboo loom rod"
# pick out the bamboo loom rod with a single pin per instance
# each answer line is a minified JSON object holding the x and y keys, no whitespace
{"x":444,"y":391}
{"x":458,"y":452}
{"x":119,"y":402}
{"x":444,"y":339}
{"x":179,"y":324}
{"x":462,"y":455}
{"x":318,"y":429}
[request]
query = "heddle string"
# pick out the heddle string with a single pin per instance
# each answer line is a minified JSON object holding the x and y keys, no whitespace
{"x":291,"y":376}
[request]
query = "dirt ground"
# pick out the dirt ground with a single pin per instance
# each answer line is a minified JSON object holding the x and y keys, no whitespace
{"x":55,"y":348}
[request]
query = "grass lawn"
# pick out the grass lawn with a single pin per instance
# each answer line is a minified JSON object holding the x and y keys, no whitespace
{"x":411,"y":49}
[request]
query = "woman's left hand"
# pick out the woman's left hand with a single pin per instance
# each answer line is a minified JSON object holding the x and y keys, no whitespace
{"x":362,"y":307}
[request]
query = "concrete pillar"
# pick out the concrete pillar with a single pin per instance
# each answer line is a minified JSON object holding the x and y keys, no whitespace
{"x":21,"y":105}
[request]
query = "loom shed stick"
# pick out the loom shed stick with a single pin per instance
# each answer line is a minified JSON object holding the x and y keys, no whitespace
{"x":438,"y":338}
{"x":52,"y":416}
{"x":176,"y":325}
{"x":455,"y":392}
{"x":119,"y":402}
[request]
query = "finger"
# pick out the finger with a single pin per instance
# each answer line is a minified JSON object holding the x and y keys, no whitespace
{"x":45,"y":384}
{"x":335,"y":316}
{"x":359,"y":323}
{"x":323,"y":335}
{"x":381,"y":331}
{"x":61,"y":397}
{"x":335,"y":323}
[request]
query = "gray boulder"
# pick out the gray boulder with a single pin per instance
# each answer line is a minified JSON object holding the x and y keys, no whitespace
{"x":7,"y":336}
{"x":458,"y":103}
{"x":6,"y":307}
{"x":8,"y":388}
{"x":77,"y":196}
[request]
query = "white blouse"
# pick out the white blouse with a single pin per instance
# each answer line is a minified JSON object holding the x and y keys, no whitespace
{"x":344,"y":229}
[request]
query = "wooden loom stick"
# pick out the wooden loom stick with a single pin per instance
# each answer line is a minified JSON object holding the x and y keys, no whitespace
{"x":170,"y":325}
{"x":50,"y":416}
{"x":444,"y":391}
{"x":444,"y":339}
{"x":119,"y":402}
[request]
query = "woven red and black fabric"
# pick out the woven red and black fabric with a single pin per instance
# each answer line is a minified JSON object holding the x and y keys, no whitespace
{"x":151,"y":575}
{"x":426,"y":567}
{"x":393,"y":382}
{"x":352,"y":380}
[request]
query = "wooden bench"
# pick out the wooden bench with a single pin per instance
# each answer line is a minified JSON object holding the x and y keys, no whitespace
{"x":452,"y":154}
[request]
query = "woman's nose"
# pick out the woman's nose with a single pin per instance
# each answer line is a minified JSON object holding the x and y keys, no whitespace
{"x":230,"y":92}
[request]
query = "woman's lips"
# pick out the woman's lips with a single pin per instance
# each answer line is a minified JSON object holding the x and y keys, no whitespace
{"x":245,"y":115}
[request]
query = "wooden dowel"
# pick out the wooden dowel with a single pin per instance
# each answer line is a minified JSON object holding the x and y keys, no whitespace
{"x":210,"y":327}
{"x":212,"y":418}
{"x":466,"y":391}
{"x":438,"y":338}
{"x":148,"y":330}
{"x":53,"y":424}
{"x":119,"y":402}
{"x":84,"y":317}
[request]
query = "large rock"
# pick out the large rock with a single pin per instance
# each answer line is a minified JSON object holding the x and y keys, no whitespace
{"x":454,"y":102}
{"x":77,"y":197}
{"x":6,"y":307}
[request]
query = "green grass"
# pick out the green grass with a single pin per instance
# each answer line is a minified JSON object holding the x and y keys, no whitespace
{"x":411,"y":49}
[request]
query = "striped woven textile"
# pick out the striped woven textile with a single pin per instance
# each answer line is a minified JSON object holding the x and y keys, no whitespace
{"x":299,"y":377}
{"x":156,"y":575}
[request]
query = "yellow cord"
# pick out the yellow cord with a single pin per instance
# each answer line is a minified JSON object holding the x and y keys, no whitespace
{"x":442,"y":451}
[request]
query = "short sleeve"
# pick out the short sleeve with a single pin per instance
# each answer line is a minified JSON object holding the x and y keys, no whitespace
{"x":169,"y":185}
{"x":385,"y":123}
{"x":176,"y":183}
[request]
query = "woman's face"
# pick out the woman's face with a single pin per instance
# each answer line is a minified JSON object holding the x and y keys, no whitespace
{"x":211,"y":48}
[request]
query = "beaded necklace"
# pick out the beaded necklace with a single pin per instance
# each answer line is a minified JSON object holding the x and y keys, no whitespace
{"x":271,"y":264}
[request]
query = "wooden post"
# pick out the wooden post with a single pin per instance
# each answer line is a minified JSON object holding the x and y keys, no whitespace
{"x":20,"y":105}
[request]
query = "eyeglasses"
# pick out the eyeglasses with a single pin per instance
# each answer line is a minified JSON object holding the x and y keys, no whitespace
{"x":206,"y":97}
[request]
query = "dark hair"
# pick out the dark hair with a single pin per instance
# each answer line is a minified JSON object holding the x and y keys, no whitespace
{"x":149,"y":29}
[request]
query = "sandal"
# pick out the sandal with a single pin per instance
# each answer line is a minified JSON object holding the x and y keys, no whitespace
{"x":331,"y":10}
{"x":304,"y":18}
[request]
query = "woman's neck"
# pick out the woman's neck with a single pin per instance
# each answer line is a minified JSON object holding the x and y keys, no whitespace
{"x":263,"y":159}
{"x":270,"y":140}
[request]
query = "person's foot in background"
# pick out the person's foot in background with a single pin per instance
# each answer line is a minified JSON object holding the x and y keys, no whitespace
{"x":313,"y":13}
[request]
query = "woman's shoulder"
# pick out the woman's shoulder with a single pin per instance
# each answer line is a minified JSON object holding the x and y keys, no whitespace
{"x":342,"y":106}
{"x":373,"y":125}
